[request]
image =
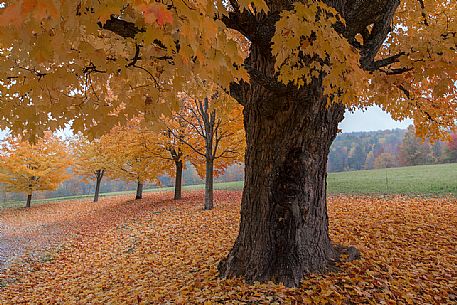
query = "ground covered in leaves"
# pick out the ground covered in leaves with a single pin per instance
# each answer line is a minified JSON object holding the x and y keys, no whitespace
{"x":157,"y":251}
{"x":31,"y":232}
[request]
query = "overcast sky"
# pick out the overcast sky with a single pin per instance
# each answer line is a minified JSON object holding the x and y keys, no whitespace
{"x":372,"y":119}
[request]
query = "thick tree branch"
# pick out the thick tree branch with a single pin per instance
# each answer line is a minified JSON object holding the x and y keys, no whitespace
{"x":266,"y":81}
{"x":378,"y":34}
{"x":396,"y":71}
{"x":236,"y":91}
{"x":242,"y":22}
{"x":121,"y":27}
{"x":387,"y":61}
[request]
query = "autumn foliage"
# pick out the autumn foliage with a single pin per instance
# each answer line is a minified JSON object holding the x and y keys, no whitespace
{"x":91,"y":160}
{"x":26,"y":167}
{"x":82,"y":55}
{"x":295,"y":67}
{"x":132,"y":150}
{"x":158,"y":252}
{"x":214,"y":135}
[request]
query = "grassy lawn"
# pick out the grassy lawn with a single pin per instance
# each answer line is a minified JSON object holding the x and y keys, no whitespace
{"x":428,"y":180}
{"x":431,"y":180}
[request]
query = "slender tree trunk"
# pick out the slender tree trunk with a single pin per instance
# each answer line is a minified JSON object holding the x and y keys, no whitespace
{"x":209,"y":119}
{"x":29,"y":201}
{"x":97,"y":189}
{"x":178,"y":179}
{"x":97,"y":185}
{"x":139,"y":191}
{"x":209,"y":194}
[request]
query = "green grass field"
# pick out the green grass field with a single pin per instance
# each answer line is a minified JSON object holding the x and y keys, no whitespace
{"x":424,"y":180}
{"x":427,"y":180}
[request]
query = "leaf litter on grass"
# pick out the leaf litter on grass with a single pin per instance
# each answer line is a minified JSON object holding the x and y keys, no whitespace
{"x":167,"y":253}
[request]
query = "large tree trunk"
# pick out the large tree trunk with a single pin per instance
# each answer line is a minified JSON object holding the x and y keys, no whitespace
{"x":139,"y":191}
{"x":178,"y":180}
{"x":284,"y":225}
{"x":97,"y":184}
{"x":29,"y":201}
{"x":209,"y":183}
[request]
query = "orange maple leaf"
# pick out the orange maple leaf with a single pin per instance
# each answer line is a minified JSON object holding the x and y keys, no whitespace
{"x":156,"y":13}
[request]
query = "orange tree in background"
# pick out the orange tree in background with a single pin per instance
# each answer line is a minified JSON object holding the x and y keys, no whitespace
{"x":97,"y":63}
{"x":132,"y":151}
{"x":215,"y":136}
{"x":171,"y":149}
{"x":27,"y":168}
{"x":91,"y":160}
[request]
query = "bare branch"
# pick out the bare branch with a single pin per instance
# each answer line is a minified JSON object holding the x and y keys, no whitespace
{"x":195,"y":127}
{"x":223,"y":154}
{"x":404,"y":90}
{"x":423,"y":12}
{"x":189,"y":145}
{"x":136,"y":57}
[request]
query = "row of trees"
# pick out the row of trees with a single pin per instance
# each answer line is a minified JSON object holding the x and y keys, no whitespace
{"x":389,"y":148}
{"x":306,"y":63}
{"x":199,"y":134}
{"x":155,"y":156}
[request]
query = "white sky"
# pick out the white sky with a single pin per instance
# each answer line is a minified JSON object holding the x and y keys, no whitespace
{"x":371,"y":120}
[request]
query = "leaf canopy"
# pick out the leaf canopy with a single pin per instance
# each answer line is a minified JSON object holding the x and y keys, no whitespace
{"x":98,"y":63}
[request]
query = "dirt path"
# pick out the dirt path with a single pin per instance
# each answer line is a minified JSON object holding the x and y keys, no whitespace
{"x":5,"y":245}
{"x":28,"y":233}
{"x":16,"y":241}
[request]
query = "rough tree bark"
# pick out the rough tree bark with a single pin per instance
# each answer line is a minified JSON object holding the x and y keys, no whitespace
{"x":99,"y":176}
{"x":139,"y":190}
{"x":284,"y":224}
{"x":178,"y":180}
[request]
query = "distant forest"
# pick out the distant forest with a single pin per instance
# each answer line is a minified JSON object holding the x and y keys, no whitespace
{"x":387,"y":148}
{"x":349,"y":152}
